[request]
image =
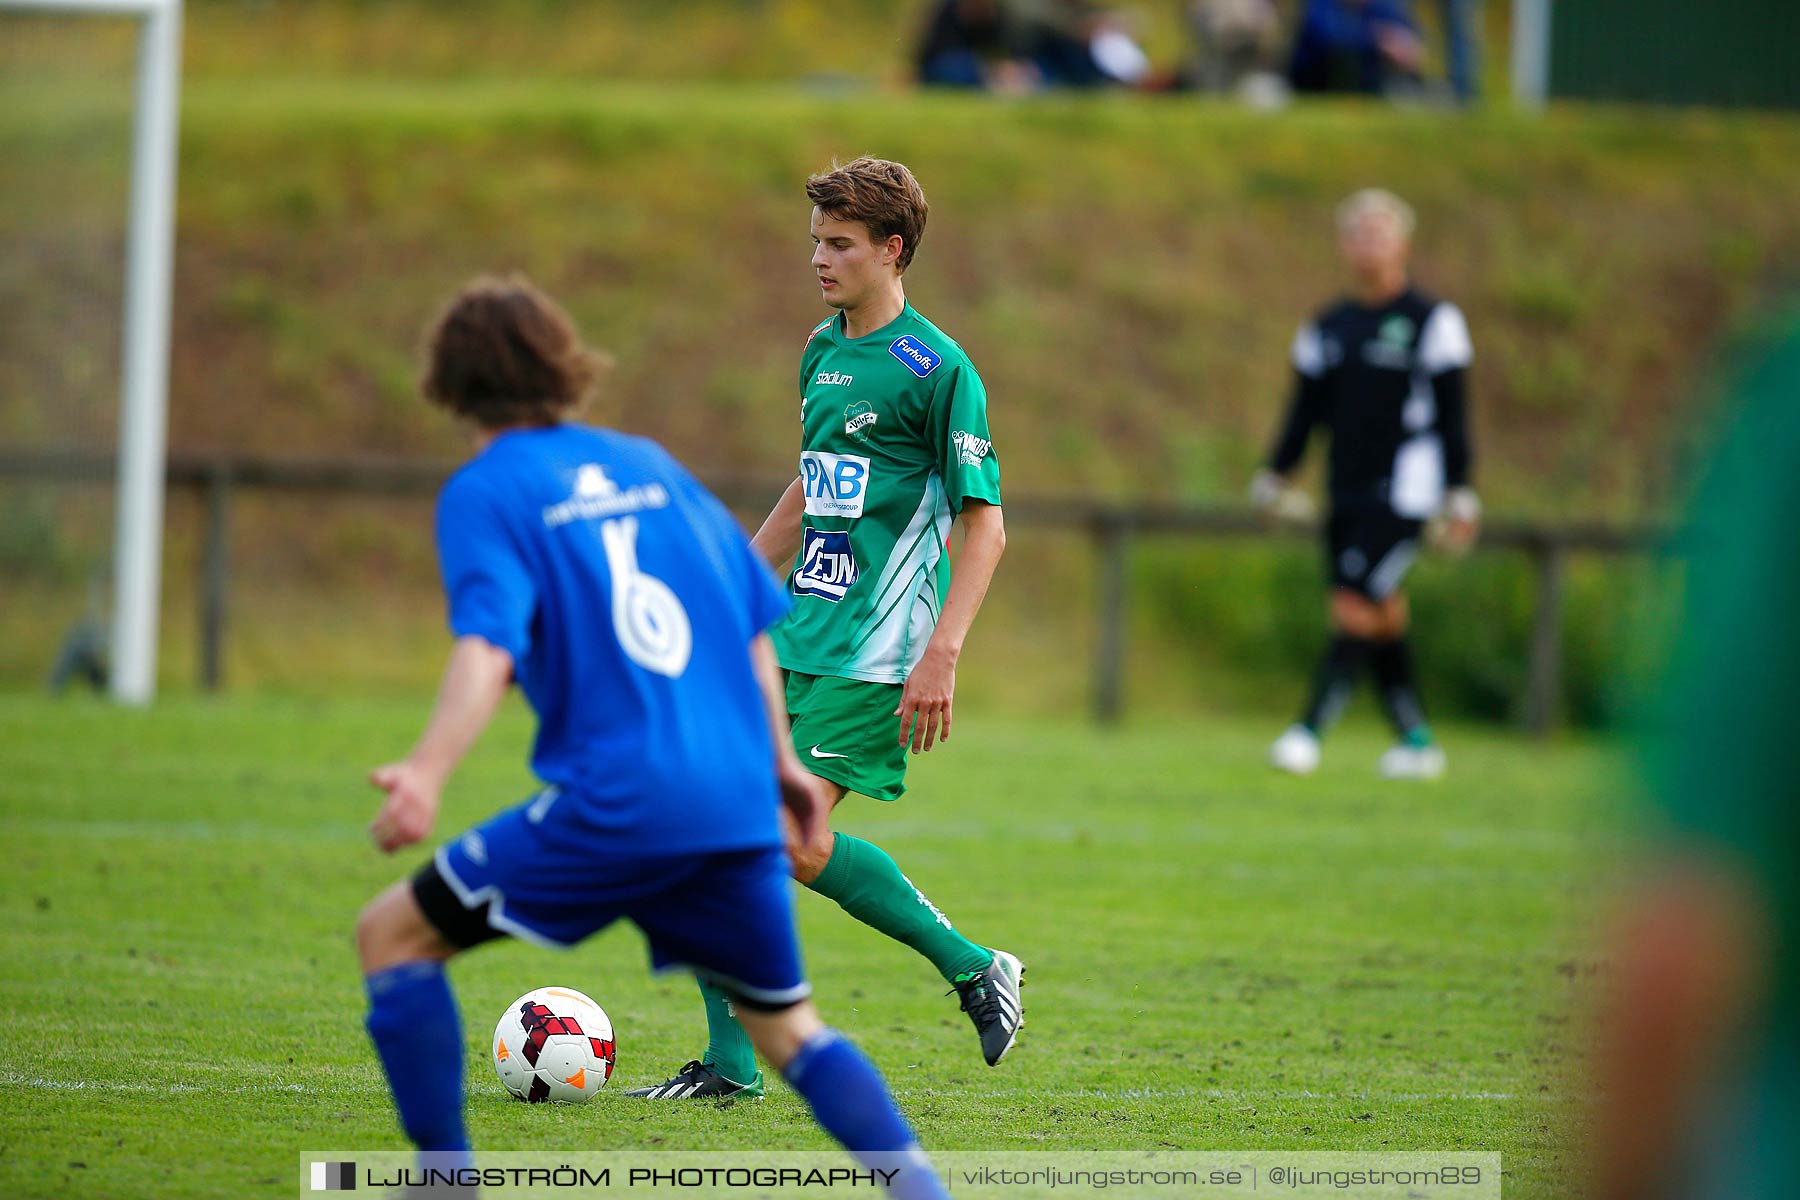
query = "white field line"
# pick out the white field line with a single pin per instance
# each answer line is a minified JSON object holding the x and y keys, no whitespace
{"x":12,"y":1079}
{"x":1045,"y":833}
{"x":185,"y":831}
{"x":1252,"y":1098}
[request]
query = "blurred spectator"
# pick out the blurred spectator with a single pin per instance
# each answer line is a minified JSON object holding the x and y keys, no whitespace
{"x":1018,"y":45}
{"x":1368,"y":46}
{"x":1462,"y":46}
{"x":1700,"y":1038}
{"x":976,"y":44}
{"x":1235,"y":40}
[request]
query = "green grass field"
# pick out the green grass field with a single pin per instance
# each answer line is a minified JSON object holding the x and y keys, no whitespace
{"x":1220,"y":958}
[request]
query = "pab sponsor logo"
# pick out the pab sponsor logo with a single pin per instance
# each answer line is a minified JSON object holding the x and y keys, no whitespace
{"x":827,"y":565}
{"x":836,"y":485}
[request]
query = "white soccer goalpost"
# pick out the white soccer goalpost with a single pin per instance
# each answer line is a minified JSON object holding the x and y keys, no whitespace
{"x":1531,"y":52}
{"x":144,"y":354}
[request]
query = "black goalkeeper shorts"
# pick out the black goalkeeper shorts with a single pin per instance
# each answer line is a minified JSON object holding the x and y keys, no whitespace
{"x":1369,"y":548}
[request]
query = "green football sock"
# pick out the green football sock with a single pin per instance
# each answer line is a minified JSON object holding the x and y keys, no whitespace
{"x":866,"y":884}
{"x":728,"y":1048}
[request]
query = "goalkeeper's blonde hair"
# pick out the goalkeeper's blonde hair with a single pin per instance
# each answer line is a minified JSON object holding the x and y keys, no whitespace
{"x":1380,"y":201}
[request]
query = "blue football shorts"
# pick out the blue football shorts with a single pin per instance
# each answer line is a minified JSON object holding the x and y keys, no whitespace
{"x":533,"y":872}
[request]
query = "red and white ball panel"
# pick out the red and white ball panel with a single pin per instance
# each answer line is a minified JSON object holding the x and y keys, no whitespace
{"x":554,"y":1044}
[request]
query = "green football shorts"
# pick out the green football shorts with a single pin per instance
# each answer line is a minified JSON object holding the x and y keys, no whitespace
{"x":845,"y":730}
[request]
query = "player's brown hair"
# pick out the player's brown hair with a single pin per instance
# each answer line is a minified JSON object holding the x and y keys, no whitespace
{"x":880,"y":195}
{"x":503,"y":353}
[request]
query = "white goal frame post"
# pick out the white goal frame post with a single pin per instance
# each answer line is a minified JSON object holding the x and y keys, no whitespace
{"x":144,"y":355}
{"x":1531,"y":21}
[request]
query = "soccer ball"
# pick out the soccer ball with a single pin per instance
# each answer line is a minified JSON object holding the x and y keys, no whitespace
{"x":554,"y":1044}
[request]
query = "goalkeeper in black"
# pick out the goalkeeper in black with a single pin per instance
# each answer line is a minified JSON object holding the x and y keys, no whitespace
{"x":1385,"y":371}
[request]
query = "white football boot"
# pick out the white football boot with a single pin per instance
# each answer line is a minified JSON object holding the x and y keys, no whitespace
{"x":1296,"y":751}
{"x":1412,"y":762}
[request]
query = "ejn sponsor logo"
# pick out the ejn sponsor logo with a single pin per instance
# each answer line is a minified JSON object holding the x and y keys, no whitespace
{"x":333,"y":1177}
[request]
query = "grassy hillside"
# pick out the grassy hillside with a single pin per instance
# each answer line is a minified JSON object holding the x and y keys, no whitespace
{"x":1126,"y":272}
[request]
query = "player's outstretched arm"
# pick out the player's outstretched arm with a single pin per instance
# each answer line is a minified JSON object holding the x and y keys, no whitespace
{"x":475,"y":681}
{"x":779,"y":538}
{"x":926,"y":701}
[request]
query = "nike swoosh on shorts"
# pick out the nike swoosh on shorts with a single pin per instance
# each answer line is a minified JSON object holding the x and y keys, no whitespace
{"x":818,"y":753}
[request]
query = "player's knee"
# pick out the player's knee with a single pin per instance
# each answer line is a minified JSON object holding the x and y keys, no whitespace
{"x":1355,"y":615}
{"x":374,"y":932}
{"x":391,"y":930}
{"x":810,"y":859}
{"x":1393,"y":615}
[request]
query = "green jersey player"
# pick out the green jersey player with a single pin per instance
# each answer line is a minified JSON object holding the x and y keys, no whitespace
{"x":894,"y":448}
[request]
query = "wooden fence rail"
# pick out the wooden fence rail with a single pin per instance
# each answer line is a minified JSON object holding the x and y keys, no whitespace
{"x":1112,"y":528}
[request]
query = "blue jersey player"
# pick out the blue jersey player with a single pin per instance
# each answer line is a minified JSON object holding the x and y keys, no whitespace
{"x":592,"y":570}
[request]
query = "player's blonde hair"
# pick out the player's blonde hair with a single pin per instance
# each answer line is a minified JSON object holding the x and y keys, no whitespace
{"x":879,"y":195}
{"x":1380,"y":201}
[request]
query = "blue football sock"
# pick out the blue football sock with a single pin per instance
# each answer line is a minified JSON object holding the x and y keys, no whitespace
{"x":414,"y":1025}
{"x":850,"y":1100}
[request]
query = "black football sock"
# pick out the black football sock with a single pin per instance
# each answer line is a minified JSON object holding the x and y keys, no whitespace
{"x":1338,"y":670}
{"x":1393,"y":666}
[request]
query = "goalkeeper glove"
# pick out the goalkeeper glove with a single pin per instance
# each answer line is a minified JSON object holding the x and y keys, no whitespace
{"x":1280,"y":499}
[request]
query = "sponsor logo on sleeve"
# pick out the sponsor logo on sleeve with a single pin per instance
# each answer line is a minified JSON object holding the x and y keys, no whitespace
{"x":915,"y":355}
{"x":827,"y":565}
{"x":836,"y":485}
{"x":859,"y":419}
{"x":970,"y":450}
